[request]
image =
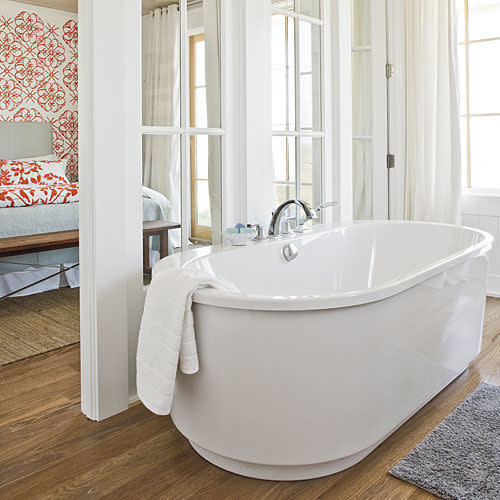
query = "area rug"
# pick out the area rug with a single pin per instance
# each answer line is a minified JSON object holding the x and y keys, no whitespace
{"x":460,"y":458}
{"x":38,"y":323}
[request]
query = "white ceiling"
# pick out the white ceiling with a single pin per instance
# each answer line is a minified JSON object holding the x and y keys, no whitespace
{"x":72,"y":5}
{"x":66,"y":5}
{"x":149,"y":5}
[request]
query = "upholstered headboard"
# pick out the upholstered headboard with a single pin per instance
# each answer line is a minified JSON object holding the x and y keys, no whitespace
{"x":25,"y":139}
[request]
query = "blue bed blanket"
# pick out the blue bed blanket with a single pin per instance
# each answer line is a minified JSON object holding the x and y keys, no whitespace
{"x":37,"y":219}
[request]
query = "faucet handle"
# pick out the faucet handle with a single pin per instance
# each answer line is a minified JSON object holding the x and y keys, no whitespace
{"x":327,"y":204}
{"x":285,"y":227}
{"x":300,"y":225}
{"x":260,"y":231}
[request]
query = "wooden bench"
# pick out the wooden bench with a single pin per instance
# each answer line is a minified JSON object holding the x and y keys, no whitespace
{"x":32,"y":243}
{"x":153,"y":228}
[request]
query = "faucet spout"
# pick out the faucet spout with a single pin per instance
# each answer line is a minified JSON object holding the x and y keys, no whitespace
{"x":274,"y":226}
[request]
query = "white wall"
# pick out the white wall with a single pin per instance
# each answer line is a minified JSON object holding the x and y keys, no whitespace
{"x":481,"y":210}
{"x":56,"y":25}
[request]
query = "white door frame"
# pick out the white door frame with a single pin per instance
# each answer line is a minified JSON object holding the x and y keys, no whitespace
{"x":379,"y":86}
{"x":396,"y":46}
{"x":112,"y":295}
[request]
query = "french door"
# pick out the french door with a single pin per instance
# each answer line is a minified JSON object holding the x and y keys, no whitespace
{"x":183,"y":117}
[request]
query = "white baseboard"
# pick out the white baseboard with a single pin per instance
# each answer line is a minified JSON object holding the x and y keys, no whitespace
{"x":493,"y":286}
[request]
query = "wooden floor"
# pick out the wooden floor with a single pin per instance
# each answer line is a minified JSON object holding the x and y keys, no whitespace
{"x":50,"y":450}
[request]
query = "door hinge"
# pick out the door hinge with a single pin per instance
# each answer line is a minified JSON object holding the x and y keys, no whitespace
{"x":389,"y":70}
{"x":391,"y":161}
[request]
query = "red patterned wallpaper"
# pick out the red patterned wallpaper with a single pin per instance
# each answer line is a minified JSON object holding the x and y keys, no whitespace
{"x":39,"y":77}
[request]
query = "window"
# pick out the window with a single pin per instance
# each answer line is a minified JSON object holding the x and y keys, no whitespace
{"x":296,"y":39}
{"x":478,"y":37}
{"x":182,"y":122}
{"x":200,"y":200}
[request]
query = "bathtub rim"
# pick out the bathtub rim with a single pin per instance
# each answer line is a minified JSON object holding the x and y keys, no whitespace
{"x":217,"y":298}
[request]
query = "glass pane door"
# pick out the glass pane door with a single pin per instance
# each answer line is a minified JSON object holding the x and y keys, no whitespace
{"x":297,"y":120}
{"x":181,"y":123}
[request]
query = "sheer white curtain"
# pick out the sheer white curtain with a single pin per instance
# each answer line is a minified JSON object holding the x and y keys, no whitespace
{"x":161,"y":105}
{"x":433,"y":167}
{"x":211,"y":20}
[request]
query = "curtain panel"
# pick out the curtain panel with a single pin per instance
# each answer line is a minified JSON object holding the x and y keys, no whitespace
{"x":433,"y":157}
{"x":161,"y":167}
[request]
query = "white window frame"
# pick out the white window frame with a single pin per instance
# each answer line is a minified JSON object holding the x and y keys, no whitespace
{"x":185,"y":131}
{"x":477,"y":201}
{"x":468,"y":115}
{"x":300,"y":133}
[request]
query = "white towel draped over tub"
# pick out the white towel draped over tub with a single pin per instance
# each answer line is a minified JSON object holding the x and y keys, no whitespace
{"x":167,"y":337}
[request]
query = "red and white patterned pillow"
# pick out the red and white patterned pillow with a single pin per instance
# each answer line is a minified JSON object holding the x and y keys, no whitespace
{"x":25,"y":196}
{"x":25,"y":173}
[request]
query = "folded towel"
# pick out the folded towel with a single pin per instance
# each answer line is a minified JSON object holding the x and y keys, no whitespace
{"x":167,"y":337}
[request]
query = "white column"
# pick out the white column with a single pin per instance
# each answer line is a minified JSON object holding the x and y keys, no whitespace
{"x":339,"y":179}
{"x":110,"y":256}
{"x":258,"y":111}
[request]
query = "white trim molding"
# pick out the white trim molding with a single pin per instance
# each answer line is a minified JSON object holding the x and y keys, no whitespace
{"x":481,"y":202}
{"x":132,"y":43}
{"x":493,"y":286}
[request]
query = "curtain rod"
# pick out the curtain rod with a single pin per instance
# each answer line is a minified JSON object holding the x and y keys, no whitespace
{"x":189,"y":3}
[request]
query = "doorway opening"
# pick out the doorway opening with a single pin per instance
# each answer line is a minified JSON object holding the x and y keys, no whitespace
{"x":39,"y":190}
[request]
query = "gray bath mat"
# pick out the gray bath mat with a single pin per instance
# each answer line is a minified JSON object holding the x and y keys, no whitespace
{"x":460,"y":458}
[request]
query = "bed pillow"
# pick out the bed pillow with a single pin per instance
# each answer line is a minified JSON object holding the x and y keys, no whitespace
{"x":15,"y":172}
{"x":39,"y":158}
{"x":48,"y":158}
{"x":57,"y":165}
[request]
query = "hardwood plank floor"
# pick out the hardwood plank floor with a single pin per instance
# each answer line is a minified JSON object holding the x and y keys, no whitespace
{"x":50,"y":450}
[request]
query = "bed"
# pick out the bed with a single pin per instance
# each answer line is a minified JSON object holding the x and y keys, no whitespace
{"x":26,"y":140}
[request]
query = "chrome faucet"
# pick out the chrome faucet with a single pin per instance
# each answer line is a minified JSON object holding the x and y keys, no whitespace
{"x":274,"y":226}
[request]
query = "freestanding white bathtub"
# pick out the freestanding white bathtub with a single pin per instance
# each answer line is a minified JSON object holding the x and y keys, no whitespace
{"x":321,"y":358}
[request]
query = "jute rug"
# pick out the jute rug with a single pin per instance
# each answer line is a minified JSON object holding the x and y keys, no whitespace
{"x":38,"y":323}
{"x":460,"y":458}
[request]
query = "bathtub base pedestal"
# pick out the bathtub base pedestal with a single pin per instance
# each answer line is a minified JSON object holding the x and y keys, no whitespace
{"x":282,"y":472}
